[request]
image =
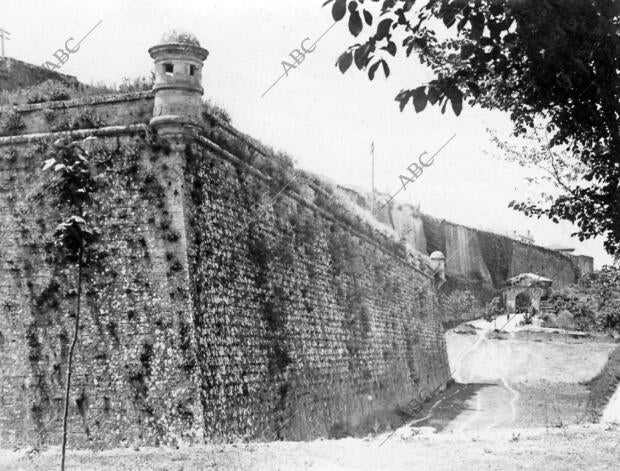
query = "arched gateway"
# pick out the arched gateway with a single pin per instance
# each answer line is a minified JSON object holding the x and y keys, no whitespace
{"x":534,"y":286}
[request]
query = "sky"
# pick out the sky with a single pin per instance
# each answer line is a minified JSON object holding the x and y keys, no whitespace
{"x":324,"y":119}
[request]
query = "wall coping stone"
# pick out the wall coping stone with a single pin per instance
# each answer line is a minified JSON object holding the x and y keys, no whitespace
{"x":77,"y":102}
{"x":78,"y":134}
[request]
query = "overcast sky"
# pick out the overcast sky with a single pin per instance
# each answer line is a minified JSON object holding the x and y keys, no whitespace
{"x":325,"y":120}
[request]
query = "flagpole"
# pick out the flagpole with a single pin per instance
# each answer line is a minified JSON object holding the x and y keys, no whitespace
{"x":372,"y":172}
{"x":4,"y":34}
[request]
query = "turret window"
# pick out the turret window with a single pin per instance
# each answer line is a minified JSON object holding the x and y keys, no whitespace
{"x":192,"y":69}
{"x":168,"y":68}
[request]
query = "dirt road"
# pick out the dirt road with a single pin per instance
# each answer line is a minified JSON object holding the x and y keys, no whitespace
{"x":519,"y":378}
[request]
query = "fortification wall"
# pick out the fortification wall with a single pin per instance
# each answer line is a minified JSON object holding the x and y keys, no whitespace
{"x":304,"y":323}
{"x":584,"y":262}
{"x":473,"y":255}
{"x":476,"y":260}
{"x":133,"y":379}
{"x":203,"y":313}
{"x":82,"y":113}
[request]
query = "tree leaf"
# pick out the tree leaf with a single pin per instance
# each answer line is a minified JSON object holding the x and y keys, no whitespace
{"x":402,"y":98}
{"x":475,"y":89}
{"x":456,"y":99}
{"x":477,"y":25}
{"x":496,"y":9}
{"x":387,"y":5}
{"x":344,"y":61}
{"x":383,"y":29}
{"x":467,"y":50}
{"x":386,"y":69}
{"x":360,"y":56}
{"x":419,"y":99}
{"x":339,"y":9}
{"x":355,"y":23}
{"x":373,"y":69}
{"x":391,"y":48}
{"x":433,"y":94}
{"x":449,"y":16}
{"x":367,"y":18}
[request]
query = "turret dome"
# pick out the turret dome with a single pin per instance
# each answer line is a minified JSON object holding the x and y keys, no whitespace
{"x":175,"y":36}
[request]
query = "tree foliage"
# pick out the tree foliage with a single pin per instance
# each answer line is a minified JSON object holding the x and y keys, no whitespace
{"x":554,"y":61}
{"x":592,"y":305}
{"x":493,"y":309}
{"x":604,"y":286}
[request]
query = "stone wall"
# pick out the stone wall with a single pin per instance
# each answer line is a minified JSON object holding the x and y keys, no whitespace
{"x":482,"y":258}
{"x":81,"y":113}
{"x":204,"y":314}
{"x":304,"y":324}
{"x":134,"y":369}
{"x":584,"y":262}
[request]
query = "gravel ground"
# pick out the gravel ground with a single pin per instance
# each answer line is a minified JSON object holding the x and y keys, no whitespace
{"x":592,"y":447}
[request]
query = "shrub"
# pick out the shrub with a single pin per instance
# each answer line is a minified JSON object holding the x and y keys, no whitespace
{"x":583,"y":317}
{"x":139,"y":84}
{"x":493,"y":309}
{"x":12,"y":123}
{"x":461,"y":305}
{"x":210,"y":108}
{"x":50,"y":90}
{"x":565,"y":320}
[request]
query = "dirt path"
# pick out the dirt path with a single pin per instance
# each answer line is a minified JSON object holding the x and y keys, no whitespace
{"x":525,"y":378}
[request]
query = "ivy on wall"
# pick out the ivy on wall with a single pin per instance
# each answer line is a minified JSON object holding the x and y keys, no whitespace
{"x":496,"y":252}
{"x":291,"y":320}
{"x":434,"y":233}
{"x":134,"y":342}
{"x":287,"y":304}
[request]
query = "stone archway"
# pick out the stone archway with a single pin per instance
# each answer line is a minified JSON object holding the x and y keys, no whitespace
{"x":523,"y":301}
{"x":534,"y":286}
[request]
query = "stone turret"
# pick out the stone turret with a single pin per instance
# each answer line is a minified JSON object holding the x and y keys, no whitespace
{"x":178,"y":89}
{"x":438,"y":260}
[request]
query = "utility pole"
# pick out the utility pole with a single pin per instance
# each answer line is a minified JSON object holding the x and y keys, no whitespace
{"x":372,"y":172}
{"x":4,"y":34}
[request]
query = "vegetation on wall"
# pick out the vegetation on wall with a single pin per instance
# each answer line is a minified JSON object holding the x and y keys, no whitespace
{"x":434,"y":234}
{"x":11,"y":123}
{"x":56,"y":90}
{"x":130,"y":209}
{"x":87,"y":118}
{"x":287,"y":300}
{"x":279,"y":166}
{"x":496,"y":252}
{"x":459,"y":305}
